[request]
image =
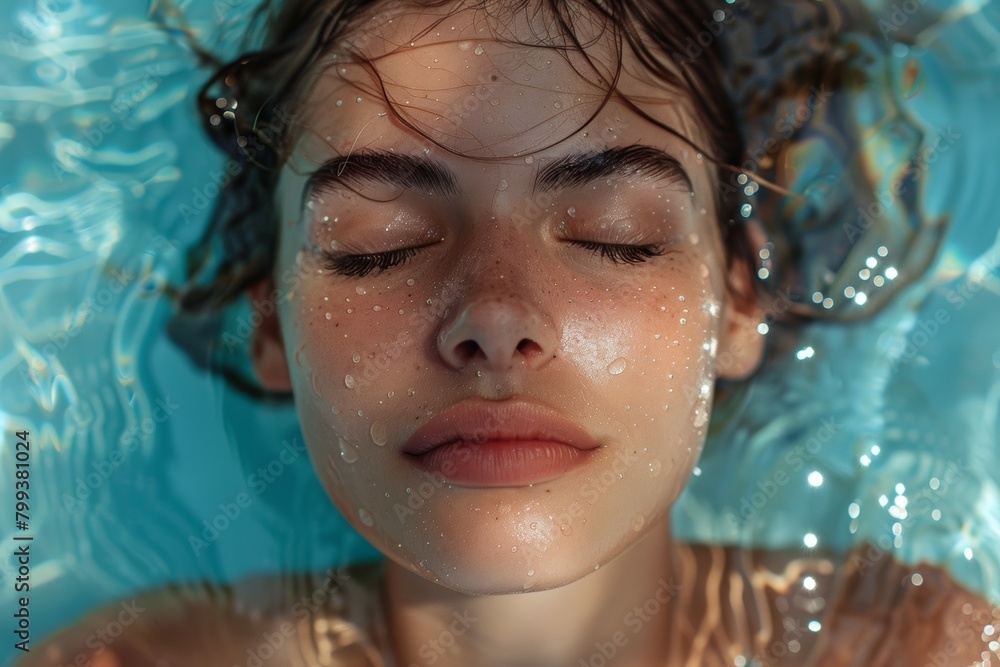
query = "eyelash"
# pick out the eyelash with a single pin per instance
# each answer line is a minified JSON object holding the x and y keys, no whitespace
{"x":362,"y":265}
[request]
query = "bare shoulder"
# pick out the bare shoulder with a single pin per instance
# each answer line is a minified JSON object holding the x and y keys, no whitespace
{"x":261,"y":618}
{"x":828,"y":609}
{"x":888,"y":613}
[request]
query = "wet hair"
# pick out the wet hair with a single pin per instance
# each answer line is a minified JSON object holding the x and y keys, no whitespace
{"x":249,"y":107}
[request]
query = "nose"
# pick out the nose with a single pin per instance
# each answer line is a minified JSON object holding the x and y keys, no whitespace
{"x":497,"y":332}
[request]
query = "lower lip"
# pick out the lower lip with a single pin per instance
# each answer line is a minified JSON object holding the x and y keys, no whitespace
{"x":499,"y":463}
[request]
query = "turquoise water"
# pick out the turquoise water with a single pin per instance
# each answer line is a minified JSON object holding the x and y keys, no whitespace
{"x":883,"y":428}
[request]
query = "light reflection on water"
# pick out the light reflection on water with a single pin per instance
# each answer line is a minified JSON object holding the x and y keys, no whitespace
{"x":101,"y":151}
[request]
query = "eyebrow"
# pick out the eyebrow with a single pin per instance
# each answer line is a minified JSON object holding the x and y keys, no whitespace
{"x":574,"y":171}
{"x":571,"y":171}
{"x":407,"y":171}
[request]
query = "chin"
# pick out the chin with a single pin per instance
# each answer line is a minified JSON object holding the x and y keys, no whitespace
{"x":487,"y":561}
{"x":490,"y":578}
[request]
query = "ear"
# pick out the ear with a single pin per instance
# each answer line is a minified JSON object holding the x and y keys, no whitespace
{"x":741,"y":346}
{"x":267,"y":349}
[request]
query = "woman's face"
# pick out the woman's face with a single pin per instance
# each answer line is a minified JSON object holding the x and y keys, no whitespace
{"x":504,"y":299}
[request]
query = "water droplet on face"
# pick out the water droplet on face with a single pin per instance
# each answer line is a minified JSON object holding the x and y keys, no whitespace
{"x":366,"y":517}
{"x":566,"y":529}
{"x":558,"y":105}
{"x":684,"y":320}
{"x":347,"y":451}
{"x":360,"y":290}
{"x":700,"y":417}
{"x":356,"y":358}
{"x":529,"y":160}
{"x":315,"y":384}
{"x":349,"y":381}
{"x":340,"y":102}
{"x":502,"y":185}
{"x":531,"y":573}
{"x":380,"y":434}
{"x":655,"y":467}
{"x":571,"y":211}
{"x":329,"y":316}
{"x":410,"y":282}
{"x":513,"y":549}
{"x":410,"y":391}
{"x":638,"y":522}
{"x":479,"y":50}
{"x":617,"y":366}
{"x":464,"y":46}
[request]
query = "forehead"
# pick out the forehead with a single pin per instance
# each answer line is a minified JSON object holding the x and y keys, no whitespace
{"x":487,"y":83}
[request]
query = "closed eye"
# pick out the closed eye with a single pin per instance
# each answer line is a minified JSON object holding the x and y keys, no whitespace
{"x":360,"y":265}
{"x":621,"y":253}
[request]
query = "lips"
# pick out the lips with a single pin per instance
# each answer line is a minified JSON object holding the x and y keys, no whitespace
{"x":489,"y":443}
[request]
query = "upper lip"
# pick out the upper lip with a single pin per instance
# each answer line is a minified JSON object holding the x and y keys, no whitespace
{"x":479,"y":421}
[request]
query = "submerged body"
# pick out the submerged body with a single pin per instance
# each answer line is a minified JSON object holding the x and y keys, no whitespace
{"x":725,"y":604}
{"x":526,"y":222}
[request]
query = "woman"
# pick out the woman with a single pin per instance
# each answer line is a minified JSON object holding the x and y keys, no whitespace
{"x":496,"y":257}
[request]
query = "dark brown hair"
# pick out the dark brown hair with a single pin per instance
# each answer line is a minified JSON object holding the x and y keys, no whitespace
{"x":248,"y":107}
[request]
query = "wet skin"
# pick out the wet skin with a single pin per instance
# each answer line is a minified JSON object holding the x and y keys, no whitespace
{"x":502,"y":298}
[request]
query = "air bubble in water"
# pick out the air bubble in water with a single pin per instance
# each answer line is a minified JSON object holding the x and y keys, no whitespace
{"x":617,"y":366}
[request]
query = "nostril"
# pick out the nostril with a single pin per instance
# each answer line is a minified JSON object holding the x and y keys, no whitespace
{"x":528,"y":347}
{"x":467,"y":349}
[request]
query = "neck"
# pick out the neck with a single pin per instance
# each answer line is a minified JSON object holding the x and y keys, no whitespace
{"x":621,"y":611}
